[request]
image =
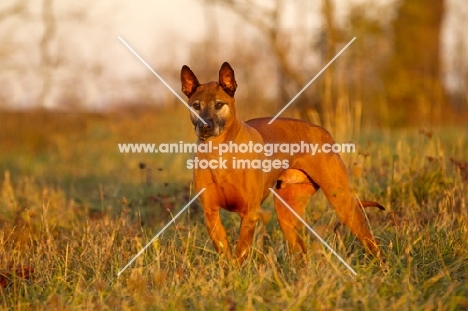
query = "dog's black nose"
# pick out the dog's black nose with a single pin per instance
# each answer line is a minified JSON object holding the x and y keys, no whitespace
{"x":205,"y":126}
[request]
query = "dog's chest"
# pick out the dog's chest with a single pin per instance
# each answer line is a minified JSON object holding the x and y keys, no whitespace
{"x":230,"y":197}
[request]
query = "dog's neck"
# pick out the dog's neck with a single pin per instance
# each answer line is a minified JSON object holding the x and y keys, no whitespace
{"x":234,"y":129}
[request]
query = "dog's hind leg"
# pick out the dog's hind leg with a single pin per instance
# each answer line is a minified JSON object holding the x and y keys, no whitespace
{"x":296,"y":190}
{"x":332,"y":177}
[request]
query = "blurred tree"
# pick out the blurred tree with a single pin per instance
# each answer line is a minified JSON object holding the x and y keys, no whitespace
{"x":331,"y":37}
{"x":48,"y":62}
{"x":368,"y":56}
{"x":335,"y":100}
{"x":17,"y":8}
{"x":267,"y":18}
{"x":41,"y":60}
{"x":413,"y":79}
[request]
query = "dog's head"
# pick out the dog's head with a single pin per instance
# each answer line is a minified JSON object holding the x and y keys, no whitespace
{"x":213,"y":101}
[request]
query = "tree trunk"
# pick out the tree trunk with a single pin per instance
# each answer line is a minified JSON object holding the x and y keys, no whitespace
{"x":413,"y":80}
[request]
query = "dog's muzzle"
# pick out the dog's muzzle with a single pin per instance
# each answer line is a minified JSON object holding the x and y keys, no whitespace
{"x":207,"y":130}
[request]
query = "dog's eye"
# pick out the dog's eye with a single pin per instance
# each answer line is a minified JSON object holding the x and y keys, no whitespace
{"x":196,"y":106}
{"x":219,"y":105}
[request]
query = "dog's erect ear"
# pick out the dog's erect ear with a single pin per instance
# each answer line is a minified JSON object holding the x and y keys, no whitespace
{"x":227,"y":79}
{"x":189,"y":81}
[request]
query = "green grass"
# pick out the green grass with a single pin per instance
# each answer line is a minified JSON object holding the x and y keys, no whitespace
{"x":74,"y":211}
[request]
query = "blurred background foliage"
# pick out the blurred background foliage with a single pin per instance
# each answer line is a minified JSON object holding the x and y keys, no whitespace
{"x":398,"y":72}
{"x":61,"y":107}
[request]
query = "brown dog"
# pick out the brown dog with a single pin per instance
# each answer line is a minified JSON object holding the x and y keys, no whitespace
{"x":294,"y":177}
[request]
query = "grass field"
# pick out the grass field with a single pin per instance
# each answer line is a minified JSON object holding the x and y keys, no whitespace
{"x":74,"y":211}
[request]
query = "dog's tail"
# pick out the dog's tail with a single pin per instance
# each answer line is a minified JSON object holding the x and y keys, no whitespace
{"x":372,"y":203}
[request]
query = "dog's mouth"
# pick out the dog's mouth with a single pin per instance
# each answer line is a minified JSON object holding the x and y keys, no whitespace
{"x":206,"y":135}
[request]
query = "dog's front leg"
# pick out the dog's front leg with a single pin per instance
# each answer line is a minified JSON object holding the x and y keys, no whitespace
{"x":246,"y":234}
{"x":217,"y":233}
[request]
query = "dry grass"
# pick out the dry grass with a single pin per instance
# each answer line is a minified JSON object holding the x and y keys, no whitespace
{"x":75,"y":211}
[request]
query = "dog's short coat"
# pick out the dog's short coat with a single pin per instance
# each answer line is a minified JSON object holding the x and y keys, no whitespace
{"x":243,"y":190}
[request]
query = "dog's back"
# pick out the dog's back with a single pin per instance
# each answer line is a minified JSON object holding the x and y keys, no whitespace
{"x":307,"y":173}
